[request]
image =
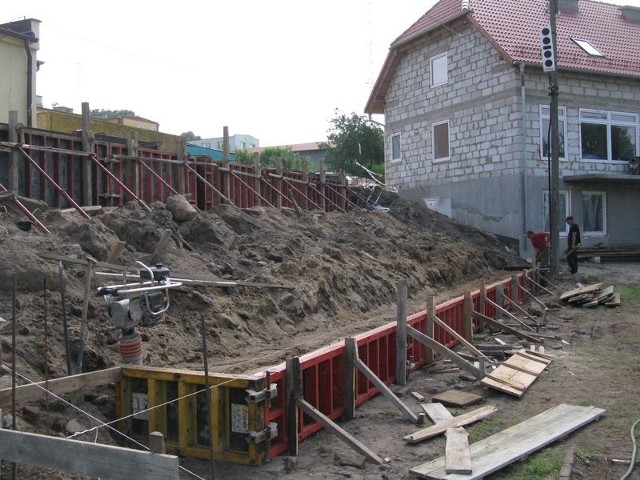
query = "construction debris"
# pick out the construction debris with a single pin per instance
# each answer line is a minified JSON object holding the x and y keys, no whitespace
{"x":590,"y":296}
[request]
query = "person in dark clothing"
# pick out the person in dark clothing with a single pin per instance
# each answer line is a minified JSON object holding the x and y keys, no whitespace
{"x":573,"y":241}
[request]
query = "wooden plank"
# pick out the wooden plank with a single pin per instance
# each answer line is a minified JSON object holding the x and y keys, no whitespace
{"x":401,"y":333}
{"x":503,"y":387}
{"x":514,"y":378}
{"x":614,"y":302}
{"x":59,"y":386}
{"x":342,"y":434}
{"x":459,"y":421}
{"x":293,"y":392}
{"x":86,"y":458}
{"x":385,"y":391}
{"x":505,"y":447}
{"x":437,"y":412}
{"x":506,"y":328}
{"x":456,"y":398}
{"x":460,"y":338}
{"x":418,"y":396}
{"x":446,"y":352}
{"x":456,"y":453}
{"x":350,"y":353}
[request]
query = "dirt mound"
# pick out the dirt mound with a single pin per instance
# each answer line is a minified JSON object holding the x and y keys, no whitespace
{"x":333,"y":269}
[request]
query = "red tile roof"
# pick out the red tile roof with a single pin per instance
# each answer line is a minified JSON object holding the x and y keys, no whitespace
{"x":513,"y":26}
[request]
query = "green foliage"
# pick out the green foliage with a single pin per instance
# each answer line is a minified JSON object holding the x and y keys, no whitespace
{"x":244,"y":156}
{"x":631,"y":293}
{"x":354,"y":139}
{"x":188,"y":136}
{"x":289,"y":160}
{"x":111,"y":114}
{"x":543,"y":465}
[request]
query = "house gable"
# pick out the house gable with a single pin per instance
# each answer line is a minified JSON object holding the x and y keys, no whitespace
{"x":513,"y":27}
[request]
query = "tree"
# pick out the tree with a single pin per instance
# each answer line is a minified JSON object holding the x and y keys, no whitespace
{"x":352,"y":139}
{"x":111,"y":114}
{"x":188,"y":136}
{"x":289,"y":160}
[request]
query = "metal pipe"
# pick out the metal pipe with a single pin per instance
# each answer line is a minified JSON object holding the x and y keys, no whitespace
{"x":114,"y":178}
{"x":60,"y":190}
{"x":26,"y":211}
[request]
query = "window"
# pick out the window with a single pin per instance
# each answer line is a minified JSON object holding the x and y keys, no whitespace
{"x":561,"y":214}
{"x":588,"y":47}
{"x":396,"y":150}
{"x":440,"y":136}
{"x":594,"y":207}
{"x":439,"y":74}
{"x":545,"y":123}
{"x":608,"y":136}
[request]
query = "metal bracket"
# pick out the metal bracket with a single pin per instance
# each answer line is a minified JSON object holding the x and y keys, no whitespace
{"x":267,"y":394}
{"x":267,"y":434}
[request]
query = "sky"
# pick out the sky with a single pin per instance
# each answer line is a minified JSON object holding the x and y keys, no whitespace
{"x":277,"y":70}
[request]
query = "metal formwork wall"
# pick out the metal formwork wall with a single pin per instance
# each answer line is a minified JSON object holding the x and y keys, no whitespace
{"x":174,"y":402}
{"x":115,"y":172}
{"x":323,"y":369}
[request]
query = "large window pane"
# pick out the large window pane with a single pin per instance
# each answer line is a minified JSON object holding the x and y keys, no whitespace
{"x":594,"y":141}
{"x":396,"y":151}
{"x":594,"y":212}
{"x":441,"y":141}
{"x":439,"y":70}
{"x":545,"y":133}
{"x":623,"y":142}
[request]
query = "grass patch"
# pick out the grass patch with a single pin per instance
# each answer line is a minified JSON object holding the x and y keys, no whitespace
{"x":485,"y":428}
{"x":593,"y":279}
{"x":631,"y":294}
{"x":543,"y":465}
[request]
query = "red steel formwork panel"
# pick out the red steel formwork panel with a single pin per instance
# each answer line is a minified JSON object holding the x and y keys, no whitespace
{"x":61,"y":166}
{"x":323,"y":369}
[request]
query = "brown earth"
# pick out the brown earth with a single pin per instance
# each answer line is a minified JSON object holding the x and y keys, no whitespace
{"x":338,"y":274}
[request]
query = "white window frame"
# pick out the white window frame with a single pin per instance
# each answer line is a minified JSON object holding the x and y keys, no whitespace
{"x":545,"y":115}
{"x":609,"y":120}
{"x":594,"y":233}
{"x":433,"y":142}
{"x":392,"y":138}
{"x":563,"y":228}
{"x":588,"y":47}
{"x":439,"y":70}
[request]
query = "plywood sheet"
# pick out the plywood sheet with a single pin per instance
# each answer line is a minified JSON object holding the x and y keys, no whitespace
{"x":518,"y":372}
{"x":457,"y":398}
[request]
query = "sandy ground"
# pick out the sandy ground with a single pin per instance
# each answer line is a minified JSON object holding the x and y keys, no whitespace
{"x":340,"y":272}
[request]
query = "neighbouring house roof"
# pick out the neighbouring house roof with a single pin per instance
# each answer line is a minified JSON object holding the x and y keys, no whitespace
{"x":513,"y":27}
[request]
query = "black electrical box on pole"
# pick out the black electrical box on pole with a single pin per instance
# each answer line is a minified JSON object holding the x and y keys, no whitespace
{"x":549,"y":64}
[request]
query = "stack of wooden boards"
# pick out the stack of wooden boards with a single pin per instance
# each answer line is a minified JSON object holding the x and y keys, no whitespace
{"x":590,"y":296}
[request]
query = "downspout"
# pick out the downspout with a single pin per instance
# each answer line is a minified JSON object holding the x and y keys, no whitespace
{"x":27,"y":47}
{"x":523,"y":126}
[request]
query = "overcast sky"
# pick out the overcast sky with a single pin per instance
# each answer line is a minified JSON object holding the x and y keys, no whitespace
{"x":276,"y":70}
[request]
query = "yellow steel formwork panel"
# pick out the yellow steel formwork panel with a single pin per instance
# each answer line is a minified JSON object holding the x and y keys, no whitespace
{"x":233,"y":425}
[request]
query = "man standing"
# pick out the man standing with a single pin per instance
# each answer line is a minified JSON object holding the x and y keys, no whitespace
{"x":573,"y":241}
{"x":540,"y":244}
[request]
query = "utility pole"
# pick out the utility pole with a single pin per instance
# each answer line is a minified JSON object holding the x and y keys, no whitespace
{"x":554,"y":145}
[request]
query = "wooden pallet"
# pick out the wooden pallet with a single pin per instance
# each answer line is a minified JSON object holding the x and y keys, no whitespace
{"x":518,"y":372}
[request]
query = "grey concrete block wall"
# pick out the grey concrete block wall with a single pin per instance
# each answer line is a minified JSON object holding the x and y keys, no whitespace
{"x":496,"y":176}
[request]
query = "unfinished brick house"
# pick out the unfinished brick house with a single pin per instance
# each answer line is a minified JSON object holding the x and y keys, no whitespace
{"x":466,"y":105}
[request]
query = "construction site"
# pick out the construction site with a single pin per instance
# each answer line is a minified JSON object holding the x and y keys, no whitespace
{"x":168,"y":317}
